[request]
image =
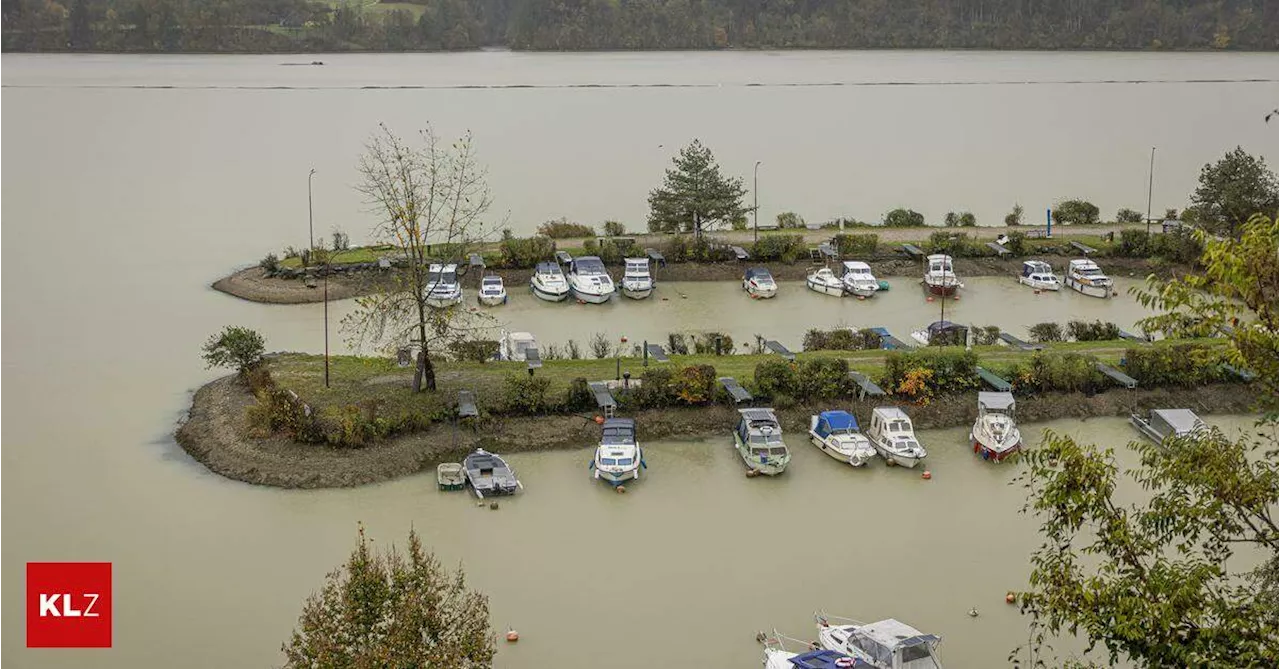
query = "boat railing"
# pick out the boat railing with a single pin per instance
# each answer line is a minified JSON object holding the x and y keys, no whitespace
{"x":824,"y":618}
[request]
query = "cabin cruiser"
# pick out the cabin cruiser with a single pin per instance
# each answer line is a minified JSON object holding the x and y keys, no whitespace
{"x":489,"y":474}
{"x":941,"y":333}
{"x":1039,"y":275}
{"x":1161,"y":424}
{"x":548,"y":282}
{"x":826,"y":282}
{"x":492,"y":292}
{"x":940,"y":275}
{"x":858,"y":280}
{"x":778,"y":656}
{"x":1086,"y":278}
{"x":887,"y":644}
{"x":618,"y":457}
{"x":443,"y":288}
{"x":518,"y":346}
{"x":995,"y":435}
{"x":894,"y":438}
{"x":588,"y":280}
{"x":836,"y":434}
{"x":758,"y":439}
{"x":637,"y":284}
{"x":758,"y":282}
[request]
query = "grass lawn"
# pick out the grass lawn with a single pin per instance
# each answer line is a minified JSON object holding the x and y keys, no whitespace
{"x":358,"y":254}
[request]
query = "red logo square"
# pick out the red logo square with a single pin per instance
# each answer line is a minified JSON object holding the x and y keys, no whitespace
{"x":68,"y":605}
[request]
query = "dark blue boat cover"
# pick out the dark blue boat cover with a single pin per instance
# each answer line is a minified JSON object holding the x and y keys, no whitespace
{"x":826,"y":659}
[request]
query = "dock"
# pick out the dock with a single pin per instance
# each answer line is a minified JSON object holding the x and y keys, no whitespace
{"x":657,"y":258}
{"x":655,"y":351}
{"x":1086,"y":250}
{"x":735,"y":389}
{"x":889,"y":342}
{"x":1117,"y":375}
{"x":913,"y":251}
{"x":740,"y":252}
{"x":1000,"y":250}
{"x":1018,"y":343}
{"x":1242,"y":374}
{"x":866,"y":387}
{"x":778,"y":348}
{"x":563,"y":257}
{"x":1133,"y":337}
{"x":467,"y":404}
{"x":532,"y":358}
{"x":997,"y":384}
{"x":604,"y":397}
{"x":824,"y":251}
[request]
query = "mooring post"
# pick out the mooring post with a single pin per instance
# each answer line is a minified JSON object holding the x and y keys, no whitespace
{"x":646,"y":353}
{"x":1048,"y":223}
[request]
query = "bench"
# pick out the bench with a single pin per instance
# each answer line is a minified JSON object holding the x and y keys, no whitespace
{"x":913,"y":251}
{"x":1018,"y":343}
{"x":655,"y":351}
{"x":866,"y":387}
{"x":998,"y":384}
{"x":1085,"y":250}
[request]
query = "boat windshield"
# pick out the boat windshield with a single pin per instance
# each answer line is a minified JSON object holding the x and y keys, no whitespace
{"x":918,"y":656}
{"x":776,"y":451}
{"x":766,"y":439}
{"x":899,"y":426}
{"x":1089,"y":271}
{"x":589,"y":266}
{"x":625,"y":462}
{"x":441,"y":278}
{"x":939,"y":266}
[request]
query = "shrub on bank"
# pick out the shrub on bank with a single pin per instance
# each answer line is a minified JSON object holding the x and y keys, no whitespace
{"x":524,"y":252}
{"x":950,"y":370}
{"x":686,"y":248}
{"x":563,"y":228}
{"x":785,"y":248}
{"x":479,"y":350}
{"x":694,"y":384}
{"x":704,"y":343}
{"x":1179,"y":365}
{"x":1043,"y":333}
{"x":841,"y":339}
{"x":1048,"y":371}
{"x":859,"y":245}
{"x":904,"y":218}
{"x":579,"y":396}
{"x":527,"y":395}
{"x":821,"y":378}
{"x":1095,"y":331}
{"x":986,"y":336}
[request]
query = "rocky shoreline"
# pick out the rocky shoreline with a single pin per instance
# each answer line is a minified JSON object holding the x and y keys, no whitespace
{"x":217,"y":432}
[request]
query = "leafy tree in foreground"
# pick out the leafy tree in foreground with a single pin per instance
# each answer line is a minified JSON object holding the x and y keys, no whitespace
{"x":235,"y":346}
{"x":1187,"y":577}
{"x":393,"y":610}
{"x":694,"y":194}
{"x":1233,"y":189}
{"x":1075,"y":212}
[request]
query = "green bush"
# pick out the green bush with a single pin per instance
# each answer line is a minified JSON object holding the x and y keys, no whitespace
{"x":1014,"y":217}
{"x":522,"y":394}
{"x":1043,"y":333}
{"x":968,"y":220}
{"x":1127,"y":215}
{"x":609,"y":251}
{"x":526,"y":252}
{"x":1133,"y":244}
{"x":903,"y":218}
{"x":1180,"y":246}
{"x":475,"y":350}
{"x":579,"y":397}
{"x":655,"y":389}
{"x":1095,"y":331}
{"x":785,"y":248}
{"x":1017,"y":243}
{"x":1051,"y":371}
{"x":821,"y":378}
{"x":614,"y":228}
{"x":705,"y":343}
{"x":1075,"y":212}
{"x":562,"y":228}
{"x":841,"y":339}
{"x":695,"y":384}
{"x":235,"y":346}
{"x":860,"y":245}
{"x":270,"y":263}
{"x":951,"y":243}
{"x":686,"y":248}
{"x":1179,"y":365}
{"x":986,"y":336}
{"x":790,"y":219}
{"x":964,"y":219}
{"x":774,"y":376}
{"x":676,"y":344}
{"x":952,"y":370}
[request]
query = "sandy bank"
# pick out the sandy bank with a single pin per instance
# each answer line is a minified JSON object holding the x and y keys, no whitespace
{"x":217,"y":433}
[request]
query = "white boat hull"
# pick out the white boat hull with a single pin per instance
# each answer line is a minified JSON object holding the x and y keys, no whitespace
{"x":637,"y":293}
{"x":493,"y":300}
{"x":1103,"y":291}
{"x":825,"y":289}
{"x":897,"y":458}
{"x":550,"y":296}
{"x":1039,"y":285}
{"x":618,"y":478}
{"x":846,"y":455}
{"x":442,"y":302}
{"x":761,"y":293}
{"x":990,"y":449}
{"x":590,"y":298}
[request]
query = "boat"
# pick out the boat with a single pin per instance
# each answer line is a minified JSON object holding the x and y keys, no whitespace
{"x":548,"y":282}
{"x":492,"y":292}
{"x":759,"y":283}
{"x":941,"y":333}
{"x":894,"y":438}
{"x":758,"y":439}
{"x":618,"y":457}
{"x":940,"y":275}
{"x":449,"y":476}
{"x":1085,"y":277}
{"x":637,"y":284}
{"x":836,"y":434}
{"x":489,"y":474}
{"x":588,"y":280}
{"x":1161,"y":424}
{"x":443,"y":288}
{"x":858,"y":280}
{"x":995,"y":435}
{"x":887,"y":644}
{"x":826,"y":282}
{"x":517,"y":346}
{"x":1039,"y":275}
{"x":777,"y":655}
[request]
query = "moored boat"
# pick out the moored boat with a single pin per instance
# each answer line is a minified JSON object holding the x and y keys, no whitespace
{"x":589,"y":281}
{"x":548,"y":282}
{"x":1085,"y":277}
{"x":618,"y":457}
{"x":836,"y":434}
{"x":887,"y":644}
{"x":443,"y":288}
{"x":1160,"y":424}
{"x":637,"y":283}
{"x":940,"y":276}
{"x":1039,"y":275}
{"x":858,"y":280}
{"x":777,"y":655}
{"x":517,"y":346}
{"x":824,"y":281}
{"x":489,"y":474}
{"x":492,"y":292}
{"x":894,"y":437}
{"x":941,"y":333}
{"x":758,"y":439}
{"x":449,"y":476}
{"x":995,"y":435}
{"x":759,"y":283}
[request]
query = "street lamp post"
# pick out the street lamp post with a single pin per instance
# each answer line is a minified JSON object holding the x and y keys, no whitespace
{"x":311,"y":233}
{"x":1151,"y":179}
{"x":755,"y":203}
{"x":325,"y":269}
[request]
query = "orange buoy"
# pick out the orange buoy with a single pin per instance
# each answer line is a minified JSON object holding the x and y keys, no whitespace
{"x":599,"y":420}
{"x":928,"y":298}
{"x":956,"y":297}
{"x":926,"y":475}
{"x":620,"y":489}
{"x":513,"y":635}
{"x":1010,"y":598}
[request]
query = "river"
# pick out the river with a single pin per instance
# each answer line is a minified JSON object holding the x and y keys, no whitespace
{"x":122,"y":204}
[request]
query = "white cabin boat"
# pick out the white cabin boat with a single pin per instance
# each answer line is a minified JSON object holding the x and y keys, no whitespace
{"x":894,"y":437}
{"x":777,"y":655}
{"x":836,"y":434}
{"x":858,"y":280}
{"x":995,"y":435}
{"x":589,"y":281}
{"x":759,"y":283}
{"x":940,"y":275}
{"x":637,"y":283}
{"x":941,"y":333}
{"x":887,"y":644}
{"x":443,"y":288}
{"x":1039,"y":275}
{"x":492,"y":291}
{"x":1161,"y":424}
{"x":517,"y":346}
{"x":548,"y":282}
{"x":824,"y":281}
{"x":1085,"y":277}
{"x":618,"y":457}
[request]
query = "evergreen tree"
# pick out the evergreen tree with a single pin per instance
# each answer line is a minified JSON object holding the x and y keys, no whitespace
{"x":695,"y":195}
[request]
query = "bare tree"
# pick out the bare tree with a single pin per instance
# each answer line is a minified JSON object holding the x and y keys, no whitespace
{"x":431,"y":201}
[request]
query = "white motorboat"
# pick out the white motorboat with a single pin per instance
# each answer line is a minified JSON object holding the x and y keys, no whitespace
{"x":518,"y":346}
{"x":759,"y":283}
{"x":548,"y":282}
{"x":1161,"y":424}
{"x":940,"y":275}
{"x":995,"y":435}
{"x":858,"y":280}
{"x":1085,"y":277}
{"x":836,"y":434}
{"x":618,"y":457}
{"x":894,"y":438}
{"x":941,"y":333}
{"x":443,"y":288}
{"x":1039,"y":275}
{"x":887,"y":644}
{"x":637,"y":283}
{"x":826,"y":282}
{"x":777,"y":655}
{"x":589,"y":281}
{"x":492,"y":291}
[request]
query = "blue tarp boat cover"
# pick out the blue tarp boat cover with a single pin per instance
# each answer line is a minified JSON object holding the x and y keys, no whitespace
{"x":832,"y":421}
{"x":826,"y":659}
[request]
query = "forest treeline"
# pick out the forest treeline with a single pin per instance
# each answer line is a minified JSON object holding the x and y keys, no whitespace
{"x":306,"y":26}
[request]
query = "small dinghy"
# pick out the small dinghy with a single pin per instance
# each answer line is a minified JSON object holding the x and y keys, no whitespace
{"x":759,"y":283}
{"x":1161,"y":424}
{"x":887,"y":644}
{"x":489,"y":474}
{"x":1086,"y":278}
{"x":548,"y":282}
{"x":858,"y":280}
{"x":836,"y":434}
{"x":637,"y":283}
{"x":995,"y":435}
{"x":492,"y":292}
{"x":449,"y":476}
{"x":894,"y":438}
{"x":618,"y":457}
{"x":1039,"y":275}
{"x":826,"y":282}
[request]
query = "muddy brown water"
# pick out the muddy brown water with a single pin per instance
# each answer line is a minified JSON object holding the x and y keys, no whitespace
{"x":122,"y":204}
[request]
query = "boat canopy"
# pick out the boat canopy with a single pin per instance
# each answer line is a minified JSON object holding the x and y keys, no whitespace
{"x":825,"y":659}
{"x":758,"y":273}
{"x":856,"y":266}
{"x":618,"y":431}
{"x":758,"y":415}
{"x":637,"y":264}
{"x":588,"y":265}
{"x":491,"y":281}
{"x":944,"y":326}
{"x":891,"y":413}
{"x":884,"y":639}
{"x":549,"y":268}
{"x":1085,"y":266}
{"x":994,"y":401}
{"x":830,"y":422}
{"x":1030,"y":267}
{"x":1175,"y":421}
